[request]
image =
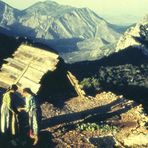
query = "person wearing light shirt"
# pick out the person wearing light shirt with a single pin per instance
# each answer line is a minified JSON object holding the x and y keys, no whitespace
{"x":31,"y":109}
{"x":8,"y":113}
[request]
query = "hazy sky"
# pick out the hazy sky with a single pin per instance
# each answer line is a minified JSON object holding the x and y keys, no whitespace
{"x":117,"y":11}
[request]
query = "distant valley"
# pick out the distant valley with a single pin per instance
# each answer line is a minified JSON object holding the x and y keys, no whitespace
{"x":78,"y":34}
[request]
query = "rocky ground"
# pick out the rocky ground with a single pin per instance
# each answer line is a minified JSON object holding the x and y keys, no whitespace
{"x":105,"y":121}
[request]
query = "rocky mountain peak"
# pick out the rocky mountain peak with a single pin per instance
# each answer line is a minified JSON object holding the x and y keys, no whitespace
{"x":128,"y":39}
{"x":43,"y":4}
{"x":47,"y":8}
{"x":64,"y":28}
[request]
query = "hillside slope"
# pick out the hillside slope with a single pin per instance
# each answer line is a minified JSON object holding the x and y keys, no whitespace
{"x":107,"y":120}
{"x":131,"y":36}
{"x":124,"y":72}
{"x":69,"y":30}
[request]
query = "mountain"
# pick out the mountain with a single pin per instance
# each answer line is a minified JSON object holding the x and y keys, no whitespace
{"x":65,"y":22}
{"x":78,"y":34}
{"x":122,"y":72}
{"x":135,"y":36}
{"x":8,"y":15}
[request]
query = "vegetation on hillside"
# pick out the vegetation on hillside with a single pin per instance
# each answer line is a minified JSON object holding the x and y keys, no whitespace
{"x":124,"y":72}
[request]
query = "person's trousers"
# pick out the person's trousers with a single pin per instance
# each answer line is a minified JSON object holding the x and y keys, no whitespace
{"x":5,"y":117}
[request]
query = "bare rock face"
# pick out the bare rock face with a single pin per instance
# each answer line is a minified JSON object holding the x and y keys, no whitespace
{"x":7,"y":14}
{"x":128,"y":40}
{"x":134,"y":131}
{"x":121,"y":122}
{"x":68,"y":29}
{"x":140,"y":139}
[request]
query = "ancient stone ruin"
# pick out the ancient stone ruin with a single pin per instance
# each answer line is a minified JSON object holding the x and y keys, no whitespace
{"x":27,"y":66}
{"x":30,"y":66}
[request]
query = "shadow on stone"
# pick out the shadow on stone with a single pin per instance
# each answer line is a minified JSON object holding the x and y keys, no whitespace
{"x":103,"y":142}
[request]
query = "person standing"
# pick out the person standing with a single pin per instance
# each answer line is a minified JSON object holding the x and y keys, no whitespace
{"x":31,"y":109}
{"x":8,"y":113}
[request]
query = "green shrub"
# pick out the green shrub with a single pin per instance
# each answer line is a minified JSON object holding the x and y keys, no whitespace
{"x":88,"y":83}
{"x":93,"y":127}
{"x":87,"y":127}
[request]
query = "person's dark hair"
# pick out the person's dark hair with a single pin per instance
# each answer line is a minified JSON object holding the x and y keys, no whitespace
{"x":27,"y":90}
{"x":14,"y":87}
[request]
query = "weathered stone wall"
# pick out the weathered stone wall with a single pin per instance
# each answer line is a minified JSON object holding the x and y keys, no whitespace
{"x":27,"y":66}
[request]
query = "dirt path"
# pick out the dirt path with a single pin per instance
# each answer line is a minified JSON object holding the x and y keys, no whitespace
{"x":106,"y":108}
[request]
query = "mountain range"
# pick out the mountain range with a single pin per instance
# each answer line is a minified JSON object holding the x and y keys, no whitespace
{"x":78,"y":34}
{"x":81,"y":35}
